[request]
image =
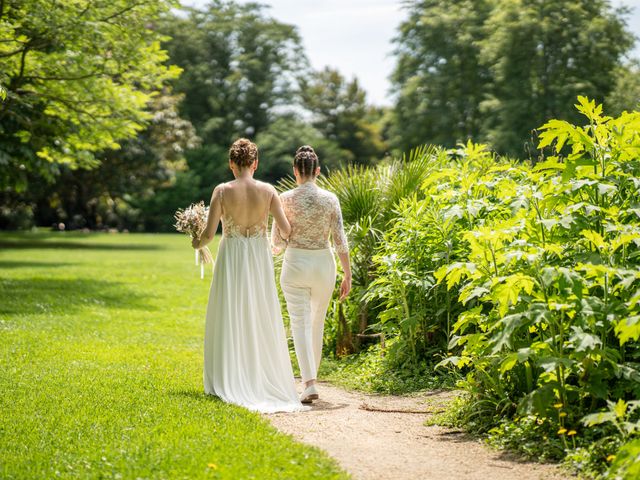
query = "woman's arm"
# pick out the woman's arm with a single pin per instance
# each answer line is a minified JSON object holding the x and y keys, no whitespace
{"x":215,"y":211}
{"x":345,"y":285}
{"x":283,"y":225}
{"x":342,"y":248}
{"x":278,"y":244}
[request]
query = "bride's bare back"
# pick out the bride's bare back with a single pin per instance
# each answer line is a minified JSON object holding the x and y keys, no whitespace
{"x":244,"y":206}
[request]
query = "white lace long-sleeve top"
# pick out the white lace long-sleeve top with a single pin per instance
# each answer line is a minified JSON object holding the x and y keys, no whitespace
{"x":314,"y":214}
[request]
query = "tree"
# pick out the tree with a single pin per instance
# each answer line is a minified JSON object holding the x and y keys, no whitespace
{"x":113,"y":193}
{"x":626,"y":91}
{"x":279,"y":142}
{"x":239,"y":65}
{"x":78,"y":76}
{"x":339,"y":110}
{"x":438,"y":80}
{"x":543,"y":54}
{"x":240,"y":70}
{"x":494,"y":70}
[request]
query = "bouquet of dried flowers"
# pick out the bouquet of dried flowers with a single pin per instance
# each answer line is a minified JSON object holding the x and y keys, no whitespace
{"x":192,"y":221}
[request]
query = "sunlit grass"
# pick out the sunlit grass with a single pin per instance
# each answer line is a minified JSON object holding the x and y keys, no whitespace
{"x":101,"y":368}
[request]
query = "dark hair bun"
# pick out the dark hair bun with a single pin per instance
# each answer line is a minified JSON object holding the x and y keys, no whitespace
{"x":243,"y":152}
{"x":305,"y":148}
{"x":306,"y":161}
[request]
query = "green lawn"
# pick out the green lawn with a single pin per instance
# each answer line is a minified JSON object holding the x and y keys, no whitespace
{"x":101,"y":368}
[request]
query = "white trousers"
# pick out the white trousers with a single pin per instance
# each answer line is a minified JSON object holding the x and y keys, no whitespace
{"x":308,"y":279}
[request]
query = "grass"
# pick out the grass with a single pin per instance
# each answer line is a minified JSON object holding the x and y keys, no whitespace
{"x":101,"y":368}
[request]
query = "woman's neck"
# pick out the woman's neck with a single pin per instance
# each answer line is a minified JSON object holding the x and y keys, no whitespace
{"x":244,"y":174}
{"x":303,"y":181}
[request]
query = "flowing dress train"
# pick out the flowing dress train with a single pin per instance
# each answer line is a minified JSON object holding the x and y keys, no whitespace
{"x":246,"y":358}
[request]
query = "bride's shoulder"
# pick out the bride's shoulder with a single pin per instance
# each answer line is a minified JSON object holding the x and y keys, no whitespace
{"x":222,"y":186}
{"x":217,"y":191}
{"x":267,"y":187}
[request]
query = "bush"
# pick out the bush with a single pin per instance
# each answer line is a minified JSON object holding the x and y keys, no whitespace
{"x":525,"y":277}
{"x":376,"y":370}
{"x":552,"y":284}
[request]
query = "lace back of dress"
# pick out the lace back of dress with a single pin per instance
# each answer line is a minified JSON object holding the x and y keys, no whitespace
{"x":231,"y":229}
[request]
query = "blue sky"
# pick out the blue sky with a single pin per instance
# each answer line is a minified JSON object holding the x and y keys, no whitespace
{"x":355,"y":36}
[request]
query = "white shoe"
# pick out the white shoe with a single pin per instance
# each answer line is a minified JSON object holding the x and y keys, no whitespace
{"x":310,"y":393}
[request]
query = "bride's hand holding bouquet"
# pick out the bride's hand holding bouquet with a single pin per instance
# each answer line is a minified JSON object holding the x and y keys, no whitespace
{"x":192,"y":221}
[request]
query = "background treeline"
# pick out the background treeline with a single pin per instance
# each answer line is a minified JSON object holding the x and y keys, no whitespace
{"x":119,"y":112}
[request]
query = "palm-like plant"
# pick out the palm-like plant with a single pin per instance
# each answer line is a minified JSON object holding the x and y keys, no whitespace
{"x":403,"y":177}
{"x":369,"y":197}
{"x":359,"y":192}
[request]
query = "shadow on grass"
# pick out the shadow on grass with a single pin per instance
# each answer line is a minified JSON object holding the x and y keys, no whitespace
{"x":16,"y":264}
{"x":26,"y":244}
{"x":198,"y":395}
{"x":512,"y":456}
{"x":45,"y":295}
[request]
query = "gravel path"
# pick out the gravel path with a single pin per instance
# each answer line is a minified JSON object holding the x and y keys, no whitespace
{"x":391,"y":445}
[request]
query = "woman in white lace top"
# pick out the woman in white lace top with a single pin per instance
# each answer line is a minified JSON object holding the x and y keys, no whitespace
{"x":315,"y":216}
{"x":309,"y":269}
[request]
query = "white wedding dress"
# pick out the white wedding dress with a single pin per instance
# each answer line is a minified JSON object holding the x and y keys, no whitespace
{"x":246,"y":358}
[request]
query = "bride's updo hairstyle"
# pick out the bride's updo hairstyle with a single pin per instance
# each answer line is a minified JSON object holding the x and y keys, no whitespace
{"x":243,"y":153}
{"x":306,"y":161}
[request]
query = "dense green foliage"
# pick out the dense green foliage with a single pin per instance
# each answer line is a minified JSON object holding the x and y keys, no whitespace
{"x":439,"y":80}
{"x":549,"y":277}
{"x":246,"y":74}
{"x":116,"y":192}
{"x":526,"y":278}
{"x":77,"y":82}
{"x":84,"y":124}
{"x":239,"y":65}
{"x":370,"y":371}
{"x":77,"y":100}
{"x":101,"y":368}
{"x":626,"y":93}
{"x":495,"y":70}
{"x":541,"y":56}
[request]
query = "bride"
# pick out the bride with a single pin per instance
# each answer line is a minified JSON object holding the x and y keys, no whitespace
{"x":246,"y":359}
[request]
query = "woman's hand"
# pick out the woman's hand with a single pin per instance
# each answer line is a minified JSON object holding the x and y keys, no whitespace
{"x":195,"y":242}
{"x":345,"y":288}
